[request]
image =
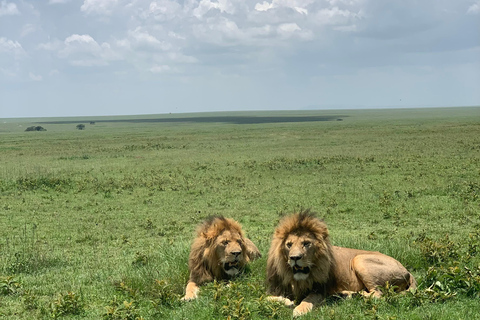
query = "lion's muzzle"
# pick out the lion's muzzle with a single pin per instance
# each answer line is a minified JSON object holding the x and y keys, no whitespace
{"x":298,"y":269}
{"x":232,"y":268}
{"x":299,"y":272}
{"x":230,"y":265}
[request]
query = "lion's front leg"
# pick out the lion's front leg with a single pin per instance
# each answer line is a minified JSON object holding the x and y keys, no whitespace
{"x":307,"y":304}
{"x":285,"y":301}
{"x":191,"y":292}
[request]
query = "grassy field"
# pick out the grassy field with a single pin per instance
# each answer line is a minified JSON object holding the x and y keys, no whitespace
{"x":97,"y":223}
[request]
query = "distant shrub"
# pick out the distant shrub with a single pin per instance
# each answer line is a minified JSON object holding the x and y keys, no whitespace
{"x":124,"y":288}
{"x":121,"y":310}
{"x":43,"y":183}
{"x":9,"y":285}
{"x":36,"y":128}
{"x":452,"y":271}
{"x":438,"y":252}
{"x":66,"y":304}
{"x":470,"y":191}
{"x":148,"y":224}
{"x":231,"y":302}
{"x":80,"y":126}
{"x":164,"y":295}
{"x":30,"y":300}
{"x":453,"y":280}
{"x":140,"y":259}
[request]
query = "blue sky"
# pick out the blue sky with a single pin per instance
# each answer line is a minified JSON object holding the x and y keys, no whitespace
{"x":112,"y":57}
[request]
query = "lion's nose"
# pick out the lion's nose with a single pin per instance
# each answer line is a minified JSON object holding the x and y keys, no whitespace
{"x":295,"y":258}
{"x":236,"y":253}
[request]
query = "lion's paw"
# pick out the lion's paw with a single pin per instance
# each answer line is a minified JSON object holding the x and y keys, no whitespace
{"x":191,"y":292}
{"x":189,"y":298}
{"x":302,"y":308}
{"x":285,"y":301}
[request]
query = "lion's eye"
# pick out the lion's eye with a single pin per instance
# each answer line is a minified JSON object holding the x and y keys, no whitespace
{"x":225,"y":242}
{"x":289,"y":245}
{"x":306,"y":244}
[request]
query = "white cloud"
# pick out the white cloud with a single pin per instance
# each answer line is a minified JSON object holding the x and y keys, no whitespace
{"x":264,"y":6}
{"x":292,"y":30}
{"x":8,"y":8}
{"x":288,"y":28}
{"x":301,"y":10}
{"x":81,"y":41}
{"x":335,"y":16}
{"x":297,"y":5}
{"x":224,"y":6}
{"x":27,"y":29}
{"x":174,"y":35}
{"x":161,"y":69}
{"x":35,"y":77}
{"x":123,"y":44}
{"x":349,"y":28}
{"x":83,"y":50}
{"x":219,"y":31}
{"x":7,"y":73}
{"x":179,"y":57}
{"x":164,"y":10}
{"x":11,"y":47}
{"x":99,"y":6}
{"x":141,"y":39}
{"x":223,"y":32}
{"x":474,"y":8}
{"x":53,"y":45}
{"x":58,"y":1}
{"x":12,"y":58}
{"x":152,"y":50}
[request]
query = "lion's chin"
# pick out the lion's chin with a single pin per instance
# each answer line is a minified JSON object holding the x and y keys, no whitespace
{"x":300,"y":276}
{"x":300,"y":273}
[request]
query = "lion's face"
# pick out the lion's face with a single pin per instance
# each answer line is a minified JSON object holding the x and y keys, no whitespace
{"x":230,"y":250}
{"x":300,"y":252}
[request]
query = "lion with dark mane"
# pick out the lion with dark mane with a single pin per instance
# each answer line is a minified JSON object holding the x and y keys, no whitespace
{"x":303,"y":266}
{"x":219,"y":251}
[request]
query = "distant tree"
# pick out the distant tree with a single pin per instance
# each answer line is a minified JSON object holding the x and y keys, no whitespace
{"x":36,"y":128}
{"x":92,"y":122}
{"x":80,"y":126}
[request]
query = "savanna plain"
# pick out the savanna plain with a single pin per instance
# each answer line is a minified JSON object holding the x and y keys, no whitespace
{"x":97,"y":223}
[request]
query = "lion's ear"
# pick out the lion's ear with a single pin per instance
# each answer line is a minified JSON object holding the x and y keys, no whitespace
{"x":252,"y":250}
{"x":207,"y":235}
{"x":207,"y":238}
{"x":208,"y":242}
{"x":321,"y":236}
{"x":325,"y":234}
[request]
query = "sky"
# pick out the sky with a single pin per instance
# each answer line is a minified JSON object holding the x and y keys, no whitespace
{"x":125,"y":57}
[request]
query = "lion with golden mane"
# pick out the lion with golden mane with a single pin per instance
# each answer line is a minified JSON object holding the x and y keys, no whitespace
{"x":303,"y":266}
{"x":219,"y":251}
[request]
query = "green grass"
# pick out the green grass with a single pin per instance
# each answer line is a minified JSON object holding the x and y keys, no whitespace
{"x":97,"y":223}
